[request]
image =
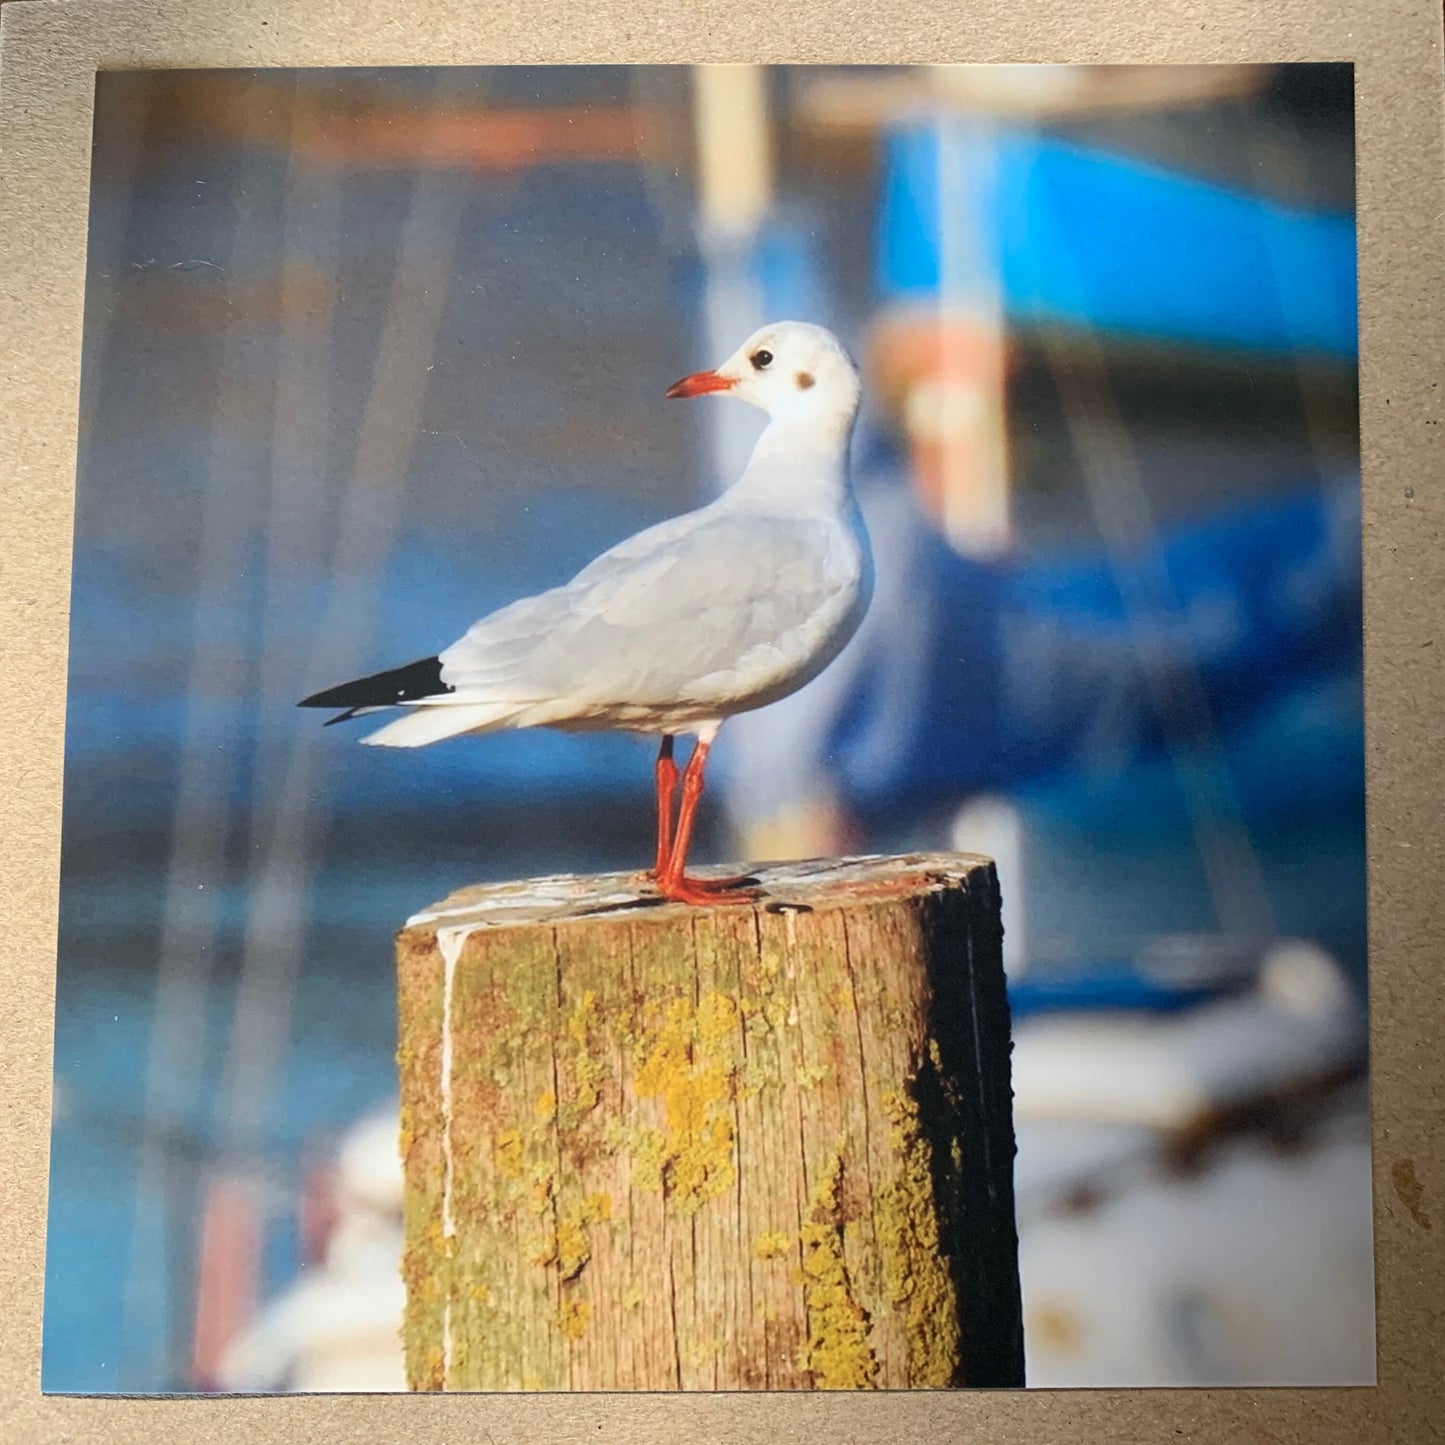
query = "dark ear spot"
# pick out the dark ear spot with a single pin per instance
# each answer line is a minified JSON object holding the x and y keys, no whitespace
{"x":805,"y":380}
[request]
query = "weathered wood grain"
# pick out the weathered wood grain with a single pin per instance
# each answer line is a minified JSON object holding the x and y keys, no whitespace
{"x":749,"y":1146}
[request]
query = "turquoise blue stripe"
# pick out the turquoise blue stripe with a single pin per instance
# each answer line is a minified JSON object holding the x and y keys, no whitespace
{"x":1082,"y":238}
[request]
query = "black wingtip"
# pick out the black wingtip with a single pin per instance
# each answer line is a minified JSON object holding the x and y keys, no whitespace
{"x":412,"y":683}
{"x":324,"y":697}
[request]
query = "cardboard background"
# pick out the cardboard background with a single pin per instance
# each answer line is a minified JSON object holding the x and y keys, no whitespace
{"x":49,"y":52}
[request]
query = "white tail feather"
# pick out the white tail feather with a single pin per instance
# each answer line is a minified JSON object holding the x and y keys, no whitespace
{"x":432,"y":724}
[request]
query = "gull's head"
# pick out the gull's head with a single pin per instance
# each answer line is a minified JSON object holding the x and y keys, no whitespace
{"x":790,"y":368}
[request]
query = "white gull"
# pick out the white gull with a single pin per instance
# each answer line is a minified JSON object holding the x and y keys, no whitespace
{"x":716,"y":612}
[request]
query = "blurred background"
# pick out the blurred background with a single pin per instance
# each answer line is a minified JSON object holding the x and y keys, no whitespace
{"x":369,"y":353}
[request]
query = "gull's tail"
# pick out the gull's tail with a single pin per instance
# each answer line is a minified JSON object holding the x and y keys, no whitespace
{"x":425,"y":724}
{"x":436,"y":712}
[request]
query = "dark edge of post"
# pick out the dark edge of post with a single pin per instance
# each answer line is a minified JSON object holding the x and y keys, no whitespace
{"x":969,"y":1019}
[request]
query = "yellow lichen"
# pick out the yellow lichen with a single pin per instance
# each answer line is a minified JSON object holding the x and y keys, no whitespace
{"x":573,"y":1318}
{"x":546,"y":1106}
{"x":810,"y":1077}
{"x":481,"y":1294}
{"x":768,"y":1008}
{"x":645,"y":1147}
{"x":436,"y":1240}
{"x":701,"y":1353}
{"x":434,"y":1369}
{"x":574,"y":1248}
{"x":587,"y":1071}
{"x":776,"y":1011}
{"x":717,"y":1017}
{"x":837,"y":1352}
{"x":772,"y":1244}
{"x":508,"y":1153}
{"x":915,"y":1272}
{"x":682,"y":1065}
{"x":540,"y":1193}
{"x":631,"y":1298}
{"x":569,"y":1246}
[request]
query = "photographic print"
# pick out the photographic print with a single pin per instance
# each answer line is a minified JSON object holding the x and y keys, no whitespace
{"x":840,"y":860}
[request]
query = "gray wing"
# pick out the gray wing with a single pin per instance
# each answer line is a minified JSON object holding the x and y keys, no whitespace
{"x":680,"y":613}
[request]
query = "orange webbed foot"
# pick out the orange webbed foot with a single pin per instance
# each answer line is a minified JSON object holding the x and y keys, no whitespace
{"x":705,"y":891}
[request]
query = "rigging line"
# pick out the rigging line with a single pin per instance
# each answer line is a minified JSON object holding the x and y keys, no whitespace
{"x":201,"y":821}
{"x":282,"y":812}
{"x":115,"y":158}
{"x":1280,"y":167}
{"x":125,"y":100}
{"x":301,"y":435}
{"x":659,"y":96}
{"x":371,"y":516}
{"x":1121,"y":505}
{"x":1122,"y":509}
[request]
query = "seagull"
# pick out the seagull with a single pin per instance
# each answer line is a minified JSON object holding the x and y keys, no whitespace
{"x":716,"y":612}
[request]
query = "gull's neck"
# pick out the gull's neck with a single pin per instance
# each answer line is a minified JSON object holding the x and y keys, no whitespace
{"x":798,"y":468}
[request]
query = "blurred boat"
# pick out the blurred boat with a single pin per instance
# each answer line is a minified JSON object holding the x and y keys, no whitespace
{"x":1257,"y":1270}
{"x":337,"y":1326}
{"x":1299,"y":1026}
{"x":848,"y":103}
{"x":971,"y":676}
{"x":1176,"y":654}
{"x":1194,"y":1188}
{"x":1078,"y":237}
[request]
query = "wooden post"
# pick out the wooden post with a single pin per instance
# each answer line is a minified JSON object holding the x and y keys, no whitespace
{"x":747,"y":1146}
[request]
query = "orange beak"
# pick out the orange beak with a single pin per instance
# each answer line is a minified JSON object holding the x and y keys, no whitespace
{"x":698,"y":384}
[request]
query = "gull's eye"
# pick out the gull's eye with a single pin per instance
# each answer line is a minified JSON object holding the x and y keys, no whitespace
{"x":761,"y":360}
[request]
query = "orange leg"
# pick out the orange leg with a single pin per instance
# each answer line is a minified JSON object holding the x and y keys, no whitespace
{"x":672,"y":880}
{"x":666,"y":774}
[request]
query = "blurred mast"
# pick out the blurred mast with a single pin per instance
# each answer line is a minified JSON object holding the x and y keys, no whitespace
{"x":736,"y":198}
{"x":965,"y":410}
{"x":735,"y":192}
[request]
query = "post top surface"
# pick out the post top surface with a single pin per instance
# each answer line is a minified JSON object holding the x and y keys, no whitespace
{"x":807,"y":886}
